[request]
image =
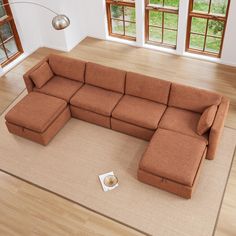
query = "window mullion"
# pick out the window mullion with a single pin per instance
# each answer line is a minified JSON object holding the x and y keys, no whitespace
{"x":205,"y":38}
{"x":209,"y":8}
{"x":123,"y":9}
{"x":163,"y":25}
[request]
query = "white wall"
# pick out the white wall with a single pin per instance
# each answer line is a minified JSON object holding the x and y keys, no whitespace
{"x":229,"y":47}
{"x":96,"y":18}
{"x":51,"y":38}
{"x":77,"y":12}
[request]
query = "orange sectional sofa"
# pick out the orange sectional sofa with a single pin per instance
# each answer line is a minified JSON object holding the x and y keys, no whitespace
{"x":183,"y":124}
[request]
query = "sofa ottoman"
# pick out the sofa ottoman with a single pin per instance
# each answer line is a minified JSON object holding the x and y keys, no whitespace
{"x":38,"y":117}
{"x":172,"y":162}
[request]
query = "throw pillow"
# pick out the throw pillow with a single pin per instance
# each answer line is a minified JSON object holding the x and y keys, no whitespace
{"x":206,"y":120}
{"x":41,"y":75}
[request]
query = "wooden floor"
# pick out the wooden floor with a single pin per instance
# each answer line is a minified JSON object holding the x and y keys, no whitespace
{"x":28,"y":210}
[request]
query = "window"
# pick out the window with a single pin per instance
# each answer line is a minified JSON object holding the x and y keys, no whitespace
{"x":10,"y":46}
{"x":206,"y":26}
{"x":121,"y":19}
{"x":161,"y":22}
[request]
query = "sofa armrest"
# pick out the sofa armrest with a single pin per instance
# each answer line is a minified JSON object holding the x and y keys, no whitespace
{"x":28,"y":82}
{"x":217,"y":128}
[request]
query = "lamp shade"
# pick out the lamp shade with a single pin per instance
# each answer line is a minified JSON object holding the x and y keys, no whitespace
{"x":60,"y":22}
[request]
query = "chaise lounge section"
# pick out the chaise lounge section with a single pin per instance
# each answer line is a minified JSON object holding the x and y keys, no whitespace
{"x":183,"y":124}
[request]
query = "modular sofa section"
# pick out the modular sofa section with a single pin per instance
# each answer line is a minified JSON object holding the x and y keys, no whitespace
{"x":45,"y":137}
{"x":103,"y":89}
{"x":142,"y":107}
{"x":38,"y":117}
{"x":60,"y":87}
{"x":67,"y":76}
{"x":198,"y":100}
{"x":172,"y":162}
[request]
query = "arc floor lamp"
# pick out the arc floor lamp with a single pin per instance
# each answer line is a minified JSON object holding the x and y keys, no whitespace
{"x":59,"y":21}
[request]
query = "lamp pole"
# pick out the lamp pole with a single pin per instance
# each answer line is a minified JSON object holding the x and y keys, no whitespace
{"x":59,"y":21}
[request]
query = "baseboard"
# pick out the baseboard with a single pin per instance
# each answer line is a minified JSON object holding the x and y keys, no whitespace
{"x":228,"y":63}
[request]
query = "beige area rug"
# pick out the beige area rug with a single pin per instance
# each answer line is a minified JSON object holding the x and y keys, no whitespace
{"x":69,"y":166}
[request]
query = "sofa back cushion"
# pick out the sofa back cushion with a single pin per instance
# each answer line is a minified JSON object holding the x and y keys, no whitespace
{"x":147,"y":87}
{"x":206,"y":120}
{"x":41,"y":75}
{"x":192,"y":99}
{"x":67,"y":67}
{"x":105,"y":77}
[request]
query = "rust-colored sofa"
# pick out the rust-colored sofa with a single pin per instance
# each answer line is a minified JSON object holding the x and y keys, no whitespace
{"x":183,"y":124}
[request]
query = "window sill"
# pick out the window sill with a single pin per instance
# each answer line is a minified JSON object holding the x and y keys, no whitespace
{"x":160,"y":49}
{"x":202,"y":57}
{"x":119,"y":40}
{"x":11,"y":65}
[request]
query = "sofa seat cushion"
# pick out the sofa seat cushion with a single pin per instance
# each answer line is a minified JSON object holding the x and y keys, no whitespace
{"x":36,"y":111}
{"x":96,"y":99}
{"x":138,"y":111}
{"x":60,"y":87}
{"x":173,"y":156}
{"x":182,"y":121}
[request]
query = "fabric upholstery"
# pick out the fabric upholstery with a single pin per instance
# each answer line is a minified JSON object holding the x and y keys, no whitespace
{"x":182,"y":121}
{"x":132,"y":130}
{"x":173,"y":156}
{"x":45,"y":137}
{"x":217,"y":128}
{"x":60,"y":87}
{"x":192,"y":99}
{"x":147,"y":87}
{"x":28,"y":81}
{"x":169,"y":185}
{"x":96,"y":99}
{"x":36,"y":111}
{"x":165,"y":184}
{"x":138,"y":111}
{"x":206,"y":120}
{"x":41,"y":75}
{"x":105,"y":77}
{"x":90,"y":117}
{"x":70,"y":68}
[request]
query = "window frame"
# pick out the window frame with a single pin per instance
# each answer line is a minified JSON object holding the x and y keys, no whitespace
{"x":152,"y":7}
{"x":109,"y":18}
{"x":208,"y":16}
{"x":9,"y":19}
